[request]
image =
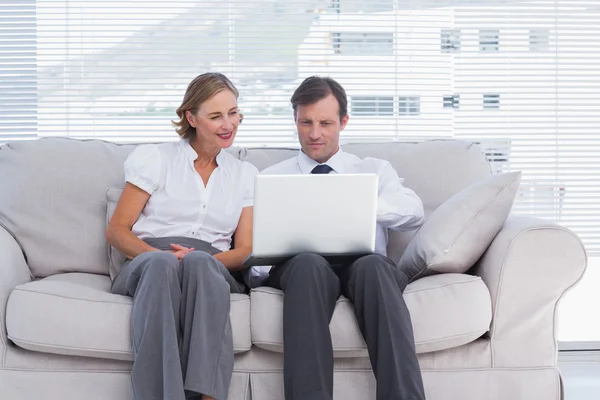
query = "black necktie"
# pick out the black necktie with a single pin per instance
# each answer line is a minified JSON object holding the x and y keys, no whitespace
{"x":321,"y":169}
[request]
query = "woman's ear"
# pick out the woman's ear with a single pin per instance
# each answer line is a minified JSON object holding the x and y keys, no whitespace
{"x":190,"y":118}
{"x":241,"y":117}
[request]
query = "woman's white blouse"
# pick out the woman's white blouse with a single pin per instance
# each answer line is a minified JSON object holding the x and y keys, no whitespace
{"x":180,"y":204}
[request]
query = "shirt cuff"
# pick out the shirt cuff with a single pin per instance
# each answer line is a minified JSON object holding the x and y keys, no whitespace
{"x":143,"y":184}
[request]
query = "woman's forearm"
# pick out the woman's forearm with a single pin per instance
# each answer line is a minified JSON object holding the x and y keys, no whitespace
{"x":234,"y":259}
{"x":127,"y":242}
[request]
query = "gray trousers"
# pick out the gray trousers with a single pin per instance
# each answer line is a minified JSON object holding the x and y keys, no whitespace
{"x":374,"y":285}
{"x":181,"y":331}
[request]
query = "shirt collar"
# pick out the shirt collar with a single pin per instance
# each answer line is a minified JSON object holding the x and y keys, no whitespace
{"x":307,"y":164}
{"x":191,"y":154}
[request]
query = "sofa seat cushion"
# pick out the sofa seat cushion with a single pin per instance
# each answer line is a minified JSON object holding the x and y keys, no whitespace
{"x":75,"y":314}
{"x":447,"y":311}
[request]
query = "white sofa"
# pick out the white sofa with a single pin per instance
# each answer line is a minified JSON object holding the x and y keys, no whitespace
{"x":488,"y":334}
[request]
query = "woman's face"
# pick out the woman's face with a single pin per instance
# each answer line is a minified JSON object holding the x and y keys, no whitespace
{"x":217,"y":120}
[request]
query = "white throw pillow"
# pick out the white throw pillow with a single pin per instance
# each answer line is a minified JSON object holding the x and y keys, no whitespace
{"x":114,"y":257}
{"x":459,"y":231}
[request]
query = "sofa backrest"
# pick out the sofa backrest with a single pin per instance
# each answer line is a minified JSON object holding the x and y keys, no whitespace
{"x":435,"y":170}
{"x":53,"y":191}
{"x":53,"y":200}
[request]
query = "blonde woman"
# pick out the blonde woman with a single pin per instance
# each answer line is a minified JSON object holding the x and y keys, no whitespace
{"x":183,"y":204}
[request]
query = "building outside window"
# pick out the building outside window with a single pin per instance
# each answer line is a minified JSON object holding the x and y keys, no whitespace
{"x":450,"y":40}
{"x":409,"y":105}
{"x":491,"y":101}
{"x":363,"y":43}
{"x":372,"y":105}
{"x":489,"y":40}
{"x":451,"y":101}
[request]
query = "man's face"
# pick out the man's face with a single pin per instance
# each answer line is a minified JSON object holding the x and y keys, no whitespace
{"x":319,"y":128}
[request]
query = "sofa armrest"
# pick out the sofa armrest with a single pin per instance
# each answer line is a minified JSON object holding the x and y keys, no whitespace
{"x":528,"y":268}
{"x":13,"y":272}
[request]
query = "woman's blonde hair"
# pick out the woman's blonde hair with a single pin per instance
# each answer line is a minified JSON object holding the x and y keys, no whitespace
{"x":202,"y":88}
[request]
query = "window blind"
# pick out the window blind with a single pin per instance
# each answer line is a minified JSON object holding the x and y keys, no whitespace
{"x":522,"y":78}
{"x":18,"y":90}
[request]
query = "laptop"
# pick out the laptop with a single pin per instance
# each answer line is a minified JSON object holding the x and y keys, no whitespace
{"x":334,"y":215}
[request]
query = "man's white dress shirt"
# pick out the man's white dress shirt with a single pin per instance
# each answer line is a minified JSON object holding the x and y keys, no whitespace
{"x":180,"y":204}
{"x":398,"y":207}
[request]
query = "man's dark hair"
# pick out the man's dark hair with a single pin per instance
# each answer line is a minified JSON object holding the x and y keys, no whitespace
{"x":316,"y":88}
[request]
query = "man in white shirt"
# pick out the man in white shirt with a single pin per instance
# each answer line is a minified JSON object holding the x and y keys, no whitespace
{"x":372,"y":283}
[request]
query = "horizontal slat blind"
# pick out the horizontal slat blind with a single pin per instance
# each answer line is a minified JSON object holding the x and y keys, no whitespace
{"x":536,"y":68}
{"x":522,"y":78}
{"x":18,"y":102}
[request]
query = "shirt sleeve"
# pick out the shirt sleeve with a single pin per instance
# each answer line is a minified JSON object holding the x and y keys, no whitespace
{"x":143,"y":168}
{"x":398,"y":207}
{"x":249,"y":174}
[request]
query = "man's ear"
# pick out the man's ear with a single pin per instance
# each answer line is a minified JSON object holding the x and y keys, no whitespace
{"x":344,"y":122}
